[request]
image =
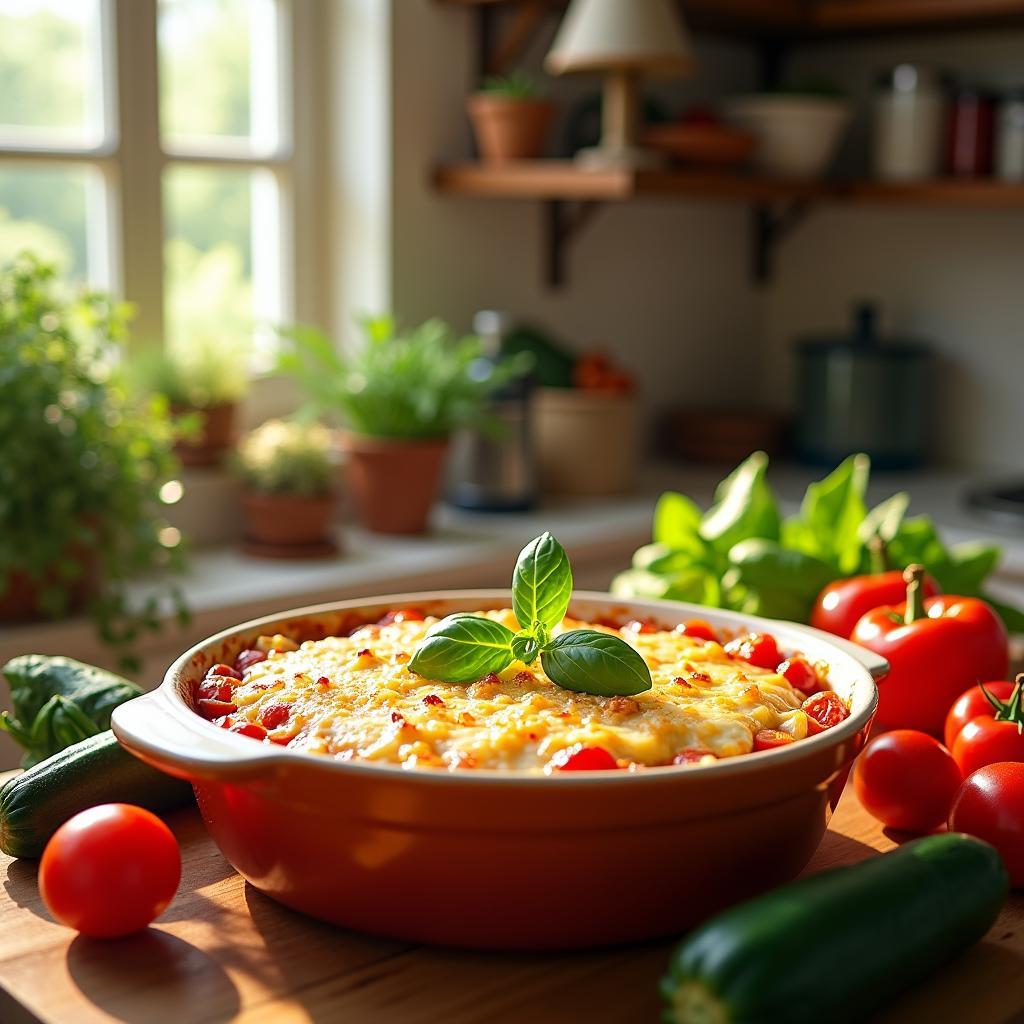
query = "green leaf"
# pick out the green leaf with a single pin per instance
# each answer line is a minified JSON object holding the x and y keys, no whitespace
{"x":589,"y":661}
{"x":833,"y":510}
{"x":744,"y":507}
{"x":676,"y":520}
{"x":969,"y":565}
{"x":541,"y":583}
{"x":462,"y":648}
{"x":761,"y":564}
{"x":1013,"y":618}
{"x":885,"y":519}
{"x":525,"y":648}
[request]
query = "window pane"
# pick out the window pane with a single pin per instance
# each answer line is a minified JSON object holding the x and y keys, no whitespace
{"x":51,"y":82}
{"x":222,"y":257}
{"x":45,"y":209}
{"x":218,"y":75}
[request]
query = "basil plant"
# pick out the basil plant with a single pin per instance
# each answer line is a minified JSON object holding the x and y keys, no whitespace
{"x":463,"y":647}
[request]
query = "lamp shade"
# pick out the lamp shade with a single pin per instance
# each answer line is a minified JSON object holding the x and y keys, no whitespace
{"x":598,"y":35}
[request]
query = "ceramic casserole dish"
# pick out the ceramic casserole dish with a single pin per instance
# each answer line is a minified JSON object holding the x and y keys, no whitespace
{"x":504,"y":859}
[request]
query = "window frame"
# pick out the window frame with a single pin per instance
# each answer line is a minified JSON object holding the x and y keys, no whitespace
{"x":130,"y":160}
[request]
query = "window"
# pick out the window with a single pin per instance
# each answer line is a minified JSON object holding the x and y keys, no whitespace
{"x":146,"y":146}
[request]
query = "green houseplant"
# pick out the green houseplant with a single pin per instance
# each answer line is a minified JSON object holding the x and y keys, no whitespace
{"x":510,"y":118}
{"x":288,"y":471}
{"x":204,"y":383}
{"x":83,"y":463}
{"x":401,"y":395}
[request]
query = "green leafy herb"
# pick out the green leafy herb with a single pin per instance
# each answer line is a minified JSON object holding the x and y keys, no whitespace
{"x":59,"y":701}
{"x":589,"y":661}
{"x":740,"y":555}
{"x":463,"y":647}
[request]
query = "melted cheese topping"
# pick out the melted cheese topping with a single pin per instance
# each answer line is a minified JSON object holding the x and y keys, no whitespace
{"x":354,"y":697}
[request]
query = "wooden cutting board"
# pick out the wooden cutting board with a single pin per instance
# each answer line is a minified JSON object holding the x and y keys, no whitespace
{"x":223,"y":952}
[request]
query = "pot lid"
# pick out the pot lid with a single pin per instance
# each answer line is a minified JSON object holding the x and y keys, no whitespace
{"x":864,"y":339}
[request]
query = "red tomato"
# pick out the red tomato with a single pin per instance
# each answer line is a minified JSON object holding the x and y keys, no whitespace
{"x":583,"y":759}
{"x":769,"y":739}
{"x":759,"y":649}
{"x":907,"y":780}
{"x":257,"y":732}
{"x":691,"y":755}
{"x":840,"y":605}
{"x":401,"y":615}
{"x":824,"y":710}
{"x":798,"y":672}
{"x":224,"y":670}
{"x":984,"y":741}
{"x":212,"y":709}
{"x":110,"y":870}
{"x":275,"y":715}
{"x":641,"y":626}
{"x":698,"y":629}
{"x":990,"y":805}
{"x":973,"y":704}
{"x":246,"y":659}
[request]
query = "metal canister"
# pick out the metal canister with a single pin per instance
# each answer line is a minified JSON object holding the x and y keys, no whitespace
{"x":909,"y":116}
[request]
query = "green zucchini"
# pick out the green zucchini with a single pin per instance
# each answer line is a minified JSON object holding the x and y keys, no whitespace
{"x":97,"y":770}
{"x":838,"y":945}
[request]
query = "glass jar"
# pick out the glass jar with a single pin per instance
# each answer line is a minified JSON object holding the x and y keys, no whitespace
{"x":970,"y":133}
{"x":909,"y":109}
{"x":1010,"y":138}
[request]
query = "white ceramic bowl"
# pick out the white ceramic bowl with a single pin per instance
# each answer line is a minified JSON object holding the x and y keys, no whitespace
{"x":795,"y":136}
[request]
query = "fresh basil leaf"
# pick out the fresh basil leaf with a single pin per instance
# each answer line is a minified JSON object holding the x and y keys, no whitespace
{"x":969,"y":566}
{"x":885,"y":519}
{"x":589,"y":661}
{"x":676,"y":520}
{"x":744,"y":507}
{"x":1013,"y":618}
{"x":765,"y":564}
{"x":525,"y":648}
{"x":833,"y":510}
{"x":541,"y":583}
{"x":462,"y":648}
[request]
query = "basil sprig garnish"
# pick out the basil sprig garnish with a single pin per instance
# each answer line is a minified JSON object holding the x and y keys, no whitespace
{"x":463,"y":647}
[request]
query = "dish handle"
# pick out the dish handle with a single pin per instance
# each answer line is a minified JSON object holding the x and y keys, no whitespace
{"x":875,"y":664}
{"x":154,"y":730}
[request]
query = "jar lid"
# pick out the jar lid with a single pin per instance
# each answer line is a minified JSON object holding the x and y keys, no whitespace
{"x":905,"y":78}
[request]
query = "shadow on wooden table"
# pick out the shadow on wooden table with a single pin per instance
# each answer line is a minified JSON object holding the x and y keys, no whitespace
{"x":23,"y":889}
{"x":162,"y":968}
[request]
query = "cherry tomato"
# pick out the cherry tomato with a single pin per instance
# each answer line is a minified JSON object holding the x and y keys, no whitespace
{"x":257,"y":732}
{"x":972,"y":704}
{"x":224,"y":670}
{"x":823,"y":711}
{"x":769,"y":739}
{"x":212,"y":709}
{"x":110,"y":870}
{"x":984,"y":741}
{"x":691,"y":755}
{"x":990,"y":805}
{"x":216,"y":689}
{"x":583,"y":759}
{"x":641,"y":626}
{"x":907,"y":780}
{"x":759,"y":649}
{"x":698,"y":629}
{"x":401,"y":615}
{"x":275,"y":715}
{"x":246,"y":659}
{"x":798,"y":672}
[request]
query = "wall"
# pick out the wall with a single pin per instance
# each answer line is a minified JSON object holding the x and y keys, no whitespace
{"x":663,"y":285}
{"x":950,"y":276}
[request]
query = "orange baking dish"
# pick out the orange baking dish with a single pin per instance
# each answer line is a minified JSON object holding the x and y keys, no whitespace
{"x":493,"y":859}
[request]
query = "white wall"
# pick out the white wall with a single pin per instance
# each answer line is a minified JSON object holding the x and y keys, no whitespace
{"x":953,"y":277}
{"x":662,"y":284}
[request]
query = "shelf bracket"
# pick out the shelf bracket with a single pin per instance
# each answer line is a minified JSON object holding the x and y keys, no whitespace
{"x":563,"y":221}
{"x":771,"y":224}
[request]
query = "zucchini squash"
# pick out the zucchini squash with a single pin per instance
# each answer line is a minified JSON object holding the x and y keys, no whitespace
{"x":835,"y":946}
{"x":97,"y":770}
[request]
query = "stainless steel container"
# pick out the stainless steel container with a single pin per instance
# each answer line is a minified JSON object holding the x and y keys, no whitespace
{"x":493,"y":471}
{"x":863,"y":393}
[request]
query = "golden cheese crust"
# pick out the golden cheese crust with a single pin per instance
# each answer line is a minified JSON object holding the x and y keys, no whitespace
{"x":354,"y":697}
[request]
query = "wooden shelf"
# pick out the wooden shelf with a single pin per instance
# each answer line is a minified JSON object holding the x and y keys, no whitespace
{"x":563,"y":180}
{"x":822,"y":18}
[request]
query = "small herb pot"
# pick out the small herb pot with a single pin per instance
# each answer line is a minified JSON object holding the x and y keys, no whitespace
{"x":287,"y":520}
{"x":394,"y":482}
{"x":215,"y":435}
{"x":507,"y":128}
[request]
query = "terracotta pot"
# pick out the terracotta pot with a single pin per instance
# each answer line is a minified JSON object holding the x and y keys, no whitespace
{"x":215,"y":436}
{"x":20,"y":596}
{"x":587,"y":441}
{"x":394,"y":483}
{"x":409,"y":853}
{"x":509,"y":129}
{"x":287,"y":519}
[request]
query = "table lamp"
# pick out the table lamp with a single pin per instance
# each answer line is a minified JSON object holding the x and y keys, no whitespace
{"x":622,"y":39}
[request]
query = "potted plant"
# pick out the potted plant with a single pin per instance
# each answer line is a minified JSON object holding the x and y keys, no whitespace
{"x":204,"y":382}
{"x":402,"y":394}
{"x":84,"y":464}
{"x":288,"y":471}
{"x":510,"y":118}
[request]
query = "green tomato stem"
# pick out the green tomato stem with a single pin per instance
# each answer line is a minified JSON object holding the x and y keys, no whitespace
{"x":878,"y":558}
{"x":913,"y":576}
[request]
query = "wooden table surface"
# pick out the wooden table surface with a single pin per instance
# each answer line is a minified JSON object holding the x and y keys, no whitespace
{"x":223,"y":952}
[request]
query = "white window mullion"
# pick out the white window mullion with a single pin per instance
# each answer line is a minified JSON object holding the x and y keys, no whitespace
{"x":140,"y":166}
